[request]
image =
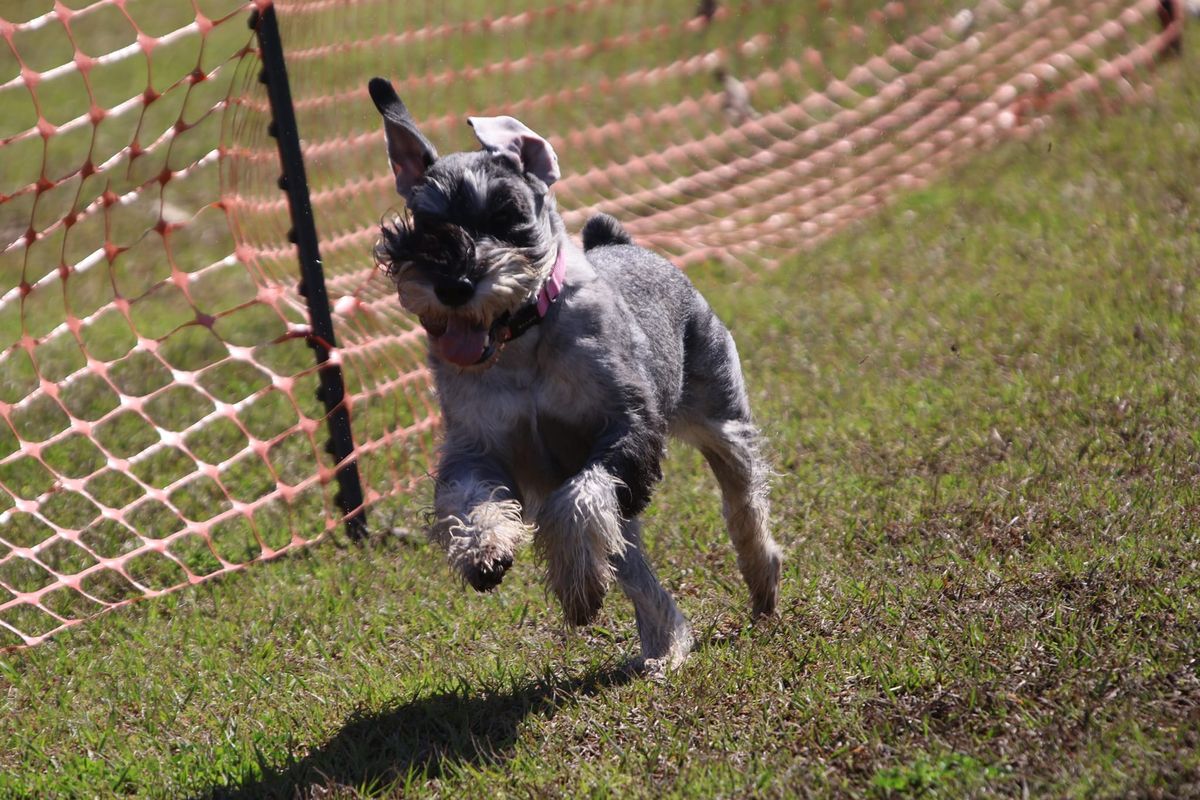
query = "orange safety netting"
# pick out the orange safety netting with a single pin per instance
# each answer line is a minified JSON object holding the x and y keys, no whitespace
{"x":157,"y":424}
{"x":158,"y":419}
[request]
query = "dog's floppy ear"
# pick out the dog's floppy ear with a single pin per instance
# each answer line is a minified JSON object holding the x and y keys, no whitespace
{"x":509,"y":137}
{"x":409,"y":152}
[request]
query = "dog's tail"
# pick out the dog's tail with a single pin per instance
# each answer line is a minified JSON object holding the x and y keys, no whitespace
{"x":602,"y":230}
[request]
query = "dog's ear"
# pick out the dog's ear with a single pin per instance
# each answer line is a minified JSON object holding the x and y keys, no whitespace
{"x":509,"y":137}
{"x":409,"y":152}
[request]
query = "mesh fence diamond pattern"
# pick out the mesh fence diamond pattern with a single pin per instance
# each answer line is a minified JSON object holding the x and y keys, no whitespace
{"x":158,"y":424}
{"x":158,"y":418}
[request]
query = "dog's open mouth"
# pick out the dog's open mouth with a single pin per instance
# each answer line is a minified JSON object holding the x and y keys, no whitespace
{"x":460,"y":341}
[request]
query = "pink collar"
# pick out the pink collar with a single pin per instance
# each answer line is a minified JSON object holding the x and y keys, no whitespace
{"x":509,"y":326}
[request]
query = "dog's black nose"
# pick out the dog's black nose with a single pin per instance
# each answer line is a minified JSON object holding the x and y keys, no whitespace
{"x":455,"y":291}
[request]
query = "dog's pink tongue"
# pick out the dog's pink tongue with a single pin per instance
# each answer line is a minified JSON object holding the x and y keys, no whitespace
{"x":462,"y":343}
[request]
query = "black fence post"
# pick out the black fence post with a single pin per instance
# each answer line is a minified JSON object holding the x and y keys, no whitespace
{"x":332,"y":390}
{"x":1170,"y":12}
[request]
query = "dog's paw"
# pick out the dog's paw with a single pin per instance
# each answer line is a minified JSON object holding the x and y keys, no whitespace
{"x":486,"y":577}
{"x":765,"y":595}
{"x":657,"y":669}
{"x":581,"y":603}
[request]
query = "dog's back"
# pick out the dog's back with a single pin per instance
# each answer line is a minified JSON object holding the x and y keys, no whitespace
{"x":660,"y":297}
{"x":694,"y":356}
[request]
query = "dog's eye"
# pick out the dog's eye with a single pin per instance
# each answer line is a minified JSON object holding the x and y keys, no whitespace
{"x":504,"y":219}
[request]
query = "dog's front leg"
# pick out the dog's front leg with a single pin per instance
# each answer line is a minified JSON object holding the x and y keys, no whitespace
{"x":478,"y":518}
{"x":580,"y":526}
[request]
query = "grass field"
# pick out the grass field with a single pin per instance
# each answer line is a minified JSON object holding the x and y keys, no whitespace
{"x":983,"y":408}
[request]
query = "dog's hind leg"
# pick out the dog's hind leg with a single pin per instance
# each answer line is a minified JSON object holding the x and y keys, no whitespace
{"x":666,"y":637}
{"x":716,"y":420}
{"x":731,"y":449}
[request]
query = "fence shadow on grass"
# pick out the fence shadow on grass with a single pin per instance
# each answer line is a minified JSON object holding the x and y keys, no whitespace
{"x":422,"y":737}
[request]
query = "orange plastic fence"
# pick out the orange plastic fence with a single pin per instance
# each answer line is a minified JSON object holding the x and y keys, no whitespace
{"x":158,"y":425}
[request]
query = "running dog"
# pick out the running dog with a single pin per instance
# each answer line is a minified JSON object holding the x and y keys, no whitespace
{"x":560,"y":373}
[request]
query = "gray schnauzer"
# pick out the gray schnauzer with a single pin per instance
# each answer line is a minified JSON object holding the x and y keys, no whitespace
{"x":560,"y":373}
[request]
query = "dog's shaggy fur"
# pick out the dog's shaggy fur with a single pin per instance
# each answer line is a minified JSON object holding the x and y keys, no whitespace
{"x":558,"y":433}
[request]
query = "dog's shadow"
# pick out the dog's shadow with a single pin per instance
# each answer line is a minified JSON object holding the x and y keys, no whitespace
{"x":419,"y":739}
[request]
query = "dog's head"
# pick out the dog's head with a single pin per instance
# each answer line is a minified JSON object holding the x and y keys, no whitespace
{"x":481,"y":235}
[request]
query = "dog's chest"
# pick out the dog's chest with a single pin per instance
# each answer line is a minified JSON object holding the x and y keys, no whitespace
{"x":544,"y":452}
{"x":543,"y":420}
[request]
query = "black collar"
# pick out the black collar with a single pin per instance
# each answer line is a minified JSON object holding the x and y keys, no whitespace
{"x":510,"y":325}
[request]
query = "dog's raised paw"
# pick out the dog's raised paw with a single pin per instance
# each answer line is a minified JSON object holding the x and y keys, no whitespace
{"x":486,"y":577}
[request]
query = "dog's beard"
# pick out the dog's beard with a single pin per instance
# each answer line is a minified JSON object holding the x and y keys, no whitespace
{"x":508,"y":277}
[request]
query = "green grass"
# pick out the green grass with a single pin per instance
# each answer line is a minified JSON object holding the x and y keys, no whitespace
{"x":982,"y":407}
